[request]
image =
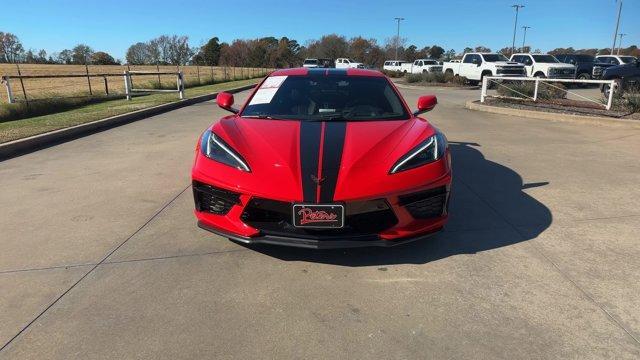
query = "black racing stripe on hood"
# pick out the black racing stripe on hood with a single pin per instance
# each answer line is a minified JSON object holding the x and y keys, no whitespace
{"x":331,"y":156}
{"x":309,"y":155}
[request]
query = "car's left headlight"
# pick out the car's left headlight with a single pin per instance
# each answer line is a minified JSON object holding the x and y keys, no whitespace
{"x":213,"y":147}
{"x":428,"y":151}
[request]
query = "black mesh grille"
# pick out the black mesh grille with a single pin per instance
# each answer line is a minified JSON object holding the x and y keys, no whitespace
{"x":213,"y":200}
{"x":426,"y":204}
{"x":363,"y":220}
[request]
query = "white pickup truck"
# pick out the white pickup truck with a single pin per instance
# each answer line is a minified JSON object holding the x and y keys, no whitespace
{"x":393,"y":65}
{"x":545,"y":65}
{"x":345,"y":63}
{"x":474,"y":66}
{"x":421,"y":66}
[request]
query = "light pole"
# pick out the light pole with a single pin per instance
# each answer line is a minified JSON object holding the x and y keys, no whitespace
{"x":524,"y":37}
{"x":398,"y":19}
{"x":620,"y":43}
{"x":515,"y":26}
{"x":615,"y":33}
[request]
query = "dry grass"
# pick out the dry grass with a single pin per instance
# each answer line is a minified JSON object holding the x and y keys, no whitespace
{"x":69,"y":87}
{"x":17,"y":129}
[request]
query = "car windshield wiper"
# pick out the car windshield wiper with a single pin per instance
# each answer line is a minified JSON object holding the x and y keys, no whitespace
{"x":268,"y":117}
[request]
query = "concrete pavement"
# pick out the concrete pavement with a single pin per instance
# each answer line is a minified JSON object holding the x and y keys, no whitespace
{"x":101,"y":257}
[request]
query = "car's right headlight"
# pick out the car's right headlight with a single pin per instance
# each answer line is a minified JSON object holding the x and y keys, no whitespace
{"x":428,"y":151}
{"x":213,"y":147}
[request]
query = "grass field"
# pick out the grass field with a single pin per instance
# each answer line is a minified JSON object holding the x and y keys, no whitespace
{"x":37,"y":89}
{"x":13,"y":130}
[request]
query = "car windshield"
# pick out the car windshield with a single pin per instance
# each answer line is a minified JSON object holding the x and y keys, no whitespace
{"x":584,"y":58}
{"x":627,"y":59}
{"x":494,"y":57}
{"x":430,"y":62}
{"x":326,"y":98}
{"x":545,"y":59}
{"x":310,"y":61}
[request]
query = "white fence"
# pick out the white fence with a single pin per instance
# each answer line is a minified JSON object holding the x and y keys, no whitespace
{"x":494,"y":79}
{"x":128,"y":83}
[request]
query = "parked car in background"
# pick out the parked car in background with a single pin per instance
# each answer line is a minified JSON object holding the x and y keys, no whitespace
{"x":318,"y":63}
{"x":475,"y":66}
{"x":626,"y":76}
{"x":587,"y":66}
{"x":393,"y":65}
{"x":345,"y":63}
{"x":545,"y":65}
{"x":615,"y":59}
{"x":422,"y":66}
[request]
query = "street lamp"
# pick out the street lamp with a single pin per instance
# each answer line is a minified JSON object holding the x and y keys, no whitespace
{"x":615,"y":33}
{"x":524,"y":37}
{"x":620,"y":43}
{"x":398,"y":19}
{"x":515,"y":26}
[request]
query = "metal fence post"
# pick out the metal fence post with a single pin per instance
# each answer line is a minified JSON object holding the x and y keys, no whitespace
{"x":535,"y":90}
{"x":24,"y":92}
{"x":106,"y":85}
{"x":7,"y":83}
{"x":483,"y":92}
{"x":86,"y":68}
{"x":612,"y":89}
{"x":127,"y":84}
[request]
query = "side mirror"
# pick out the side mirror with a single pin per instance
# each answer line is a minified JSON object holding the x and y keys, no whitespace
{"x":426,"y":103}
{"x":225,"y":101}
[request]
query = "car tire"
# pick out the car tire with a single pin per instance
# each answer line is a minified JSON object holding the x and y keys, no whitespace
{"x":540,"y":74}
{"x":583,"y":76}
{"x":617,"y":88}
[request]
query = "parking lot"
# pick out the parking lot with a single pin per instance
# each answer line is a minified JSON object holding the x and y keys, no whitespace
{"x":101,"y":256}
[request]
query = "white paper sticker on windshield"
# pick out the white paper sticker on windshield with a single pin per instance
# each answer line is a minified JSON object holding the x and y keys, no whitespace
{"x":268,"y":90}
{"x":273,"y":82}
{"x":263,"y":96}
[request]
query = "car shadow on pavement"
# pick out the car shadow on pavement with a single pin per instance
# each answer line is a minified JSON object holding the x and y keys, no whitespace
{"x":487,"y":206}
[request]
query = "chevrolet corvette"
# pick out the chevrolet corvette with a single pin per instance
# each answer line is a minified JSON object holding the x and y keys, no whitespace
{"x":323,"y":158}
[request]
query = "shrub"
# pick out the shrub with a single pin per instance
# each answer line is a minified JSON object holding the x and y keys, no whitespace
{"x":414,"y":78}
{"x":393,"y":74}
{"x":628,"y":102}
{"x":526,"y":89}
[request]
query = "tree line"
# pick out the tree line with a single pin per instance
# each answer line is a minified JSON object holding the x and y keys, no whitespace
{"x":262,"y":52}
{"x":12,"y":51}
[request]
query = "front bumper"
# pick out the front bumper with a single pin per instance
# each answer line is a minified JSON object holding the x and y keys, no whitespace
{"x":381,"y":221}
{"x":319,"y":243}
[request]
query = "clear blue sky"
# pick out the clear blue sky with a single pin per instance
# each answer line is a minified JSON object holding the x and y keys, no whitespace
{"x":113,"y":25}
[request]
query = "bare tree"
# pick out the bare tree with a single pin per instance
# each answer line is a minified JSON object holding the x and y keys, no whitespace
{"x":11,"y":49}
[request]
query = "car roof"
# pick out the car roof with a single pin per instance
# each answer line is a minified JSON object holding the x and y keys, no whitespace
{"x":326,"y":71}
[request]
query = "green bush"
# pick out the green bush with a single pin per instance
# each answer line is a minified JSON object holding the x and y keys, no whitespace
{"x":436,"y":78}
{"x":526,"y":89}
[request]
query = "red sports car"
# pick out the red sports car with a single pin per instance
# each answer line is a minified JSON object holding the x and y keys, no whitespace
{"x":323,"y":158}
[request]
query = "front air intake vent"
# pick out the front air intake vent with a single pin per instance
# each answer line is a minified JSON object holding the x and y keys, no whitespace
{"x":426,"y":204}
{"x":214,"y":200}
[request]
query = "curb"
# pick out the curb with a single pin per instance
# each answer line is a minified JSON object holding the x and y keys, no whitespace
{"x":37,"y":142}
{"x":571,"y":118}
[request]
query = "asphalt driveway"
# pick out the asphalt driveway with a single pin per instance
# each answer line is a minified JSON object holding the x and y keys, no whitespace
{"x":101,"y":257}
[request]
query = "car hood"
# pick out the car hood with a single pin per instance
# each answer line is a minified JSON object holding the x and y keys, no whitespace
{"x":506,"y":63}
{"x":355,"y":160}
{"x":560,"y":65}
